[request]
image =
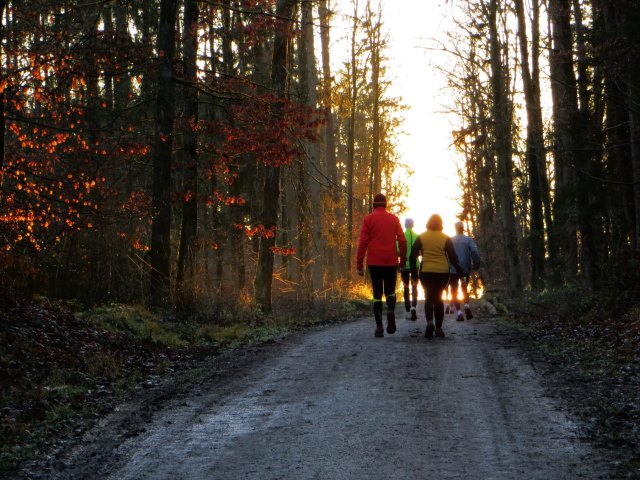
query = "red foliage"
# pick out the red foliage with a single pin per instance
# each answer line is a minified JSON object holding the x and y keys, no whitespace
{"x":75,"y":177}
{"x":283,"y":251}
{"x":261,"y":231}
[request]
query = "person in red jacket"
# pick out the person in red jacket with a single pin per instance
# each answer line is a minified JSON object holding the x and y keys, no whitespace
{"x":378,"y":236}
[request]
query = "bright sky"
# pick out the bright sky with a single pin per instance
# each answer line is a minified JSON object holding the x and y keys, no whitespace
{"x":411,"y":27}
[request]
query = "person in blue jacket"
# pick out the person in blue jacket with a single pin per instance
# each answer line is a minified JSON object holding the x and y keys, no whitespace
{"x":469,"y":259}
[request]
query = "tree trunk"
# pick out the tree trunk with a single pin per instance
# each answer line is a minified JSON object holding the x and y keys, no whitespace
{"x":147,"y":21}
{"x":634,"y":124}
{"x":122,"y":90}
{"x":3,"y":4}
{"x":271,"y":192}
{"x":375,"y":46}
{"x":243,"y":184}
{"x":313,"y":165}
{"x":329,"y":129}
{"x":107,"y":20}
{"x":189,"y":227}
{"x":161,"y":203}
{"x":535,"y":151}
{"x":504,"y":183}
{"x":351,"y":139}
{"x":570,"y":126}
{"x":616,"y":28}
{"x":561,"y":64}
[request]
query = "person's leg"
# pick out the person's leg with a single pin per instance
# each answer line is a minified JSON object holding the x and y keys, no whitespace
{"x":428,"y":301}
{"x":377,"y":286}
{"x":389,"y":278}
{"x":467,"y":309}
{"x":414,"y":297}
{"x":427,"y":281}
{"x":440,"y":282}
{"x":454,"y":282}
{"x":404,"y":275}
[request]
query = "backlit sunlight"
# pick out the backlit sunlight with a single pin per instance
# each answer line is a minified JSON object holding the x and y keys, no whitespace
{"x":414,"y":27}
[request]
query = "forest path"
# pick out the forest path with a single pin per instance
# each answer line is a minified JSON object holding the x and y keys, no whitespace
{"x":337,"y":403}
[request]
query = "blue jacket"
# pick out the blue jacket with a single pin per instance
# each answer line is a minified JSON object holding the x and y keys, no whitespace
{"x":467,"y":252}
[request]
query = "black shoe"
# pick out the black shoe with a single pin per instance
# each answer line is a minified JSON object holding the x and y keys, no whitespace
{"x":414,"y":315}
{"x":391,"y":322}
{"x":379,"y":332}
{"x":439,"y":333}
{"x":467,"y":312}
{"x":429,"y":332}
{"x":446,"y":309}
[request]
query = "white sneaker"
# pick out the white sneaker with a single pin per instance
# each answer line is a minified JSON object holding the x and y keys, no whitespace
{"x":407,"y":316}
{"x":459,"y":316}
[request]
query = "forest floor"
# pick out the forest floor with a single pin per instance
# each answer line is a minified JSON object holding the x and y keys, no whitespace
{"x":73,"y":392}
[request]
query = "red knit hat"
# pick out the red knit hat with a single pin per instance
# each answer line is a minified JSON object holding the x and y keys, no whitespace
{"x":379,"y":200}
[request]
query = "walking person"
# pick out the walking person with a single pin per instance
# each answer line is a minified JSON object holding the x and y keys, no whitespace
{"x":382,"y":240}
{"x":437,"y":252}
{"x":409,"y":280}
{"x":469,"y":259}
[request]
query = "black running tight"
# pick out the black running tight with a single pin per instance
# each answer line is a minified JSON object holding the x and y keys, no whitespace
{"x":410,"y":284}
{"x":434,"y":284}
{"x":383,"y":280}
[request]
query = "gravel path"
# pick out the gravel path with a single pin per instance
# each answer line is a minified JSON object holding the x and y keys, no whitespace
{"x":337,"y":403}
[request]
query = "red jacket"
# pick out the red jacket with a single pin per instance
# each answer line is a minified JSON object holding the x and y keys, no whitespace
{"x":378,"y":236}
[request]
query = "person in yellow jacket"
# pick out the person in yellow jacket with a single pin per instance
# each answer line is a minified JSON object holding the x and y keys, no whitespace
{"x":409,"y":280}
{"x":437,"y":252}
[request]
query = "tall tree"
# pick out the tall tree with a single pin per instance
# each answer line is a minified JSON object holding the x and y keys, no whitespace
{"x":502,"y":118}
{"x":571,"y":160}
{"x":352,"y":135}
{"x":330,"y":165}
{"x":189,"y":229}
{"x":375,"y":41}
{"x":3,"y":5}
{"x":271,"y":192}
{"x":315,"y":172}
{"x":163,"y":151}
{"x":535,"y":153}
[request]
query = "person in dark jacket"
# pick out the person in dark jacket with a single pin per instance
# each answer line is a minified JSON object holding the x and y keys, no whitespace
{"x":382,"y":241}
{"x":437,"y":253}
{"x":469,"y":259}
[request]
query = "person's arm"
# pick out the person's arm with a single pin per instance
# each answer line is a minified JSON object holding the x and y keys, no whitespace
{"x":363,"y":243}
{"x":413,"y":256}
{"x":402,"y":244}
{"x":453,"y":256}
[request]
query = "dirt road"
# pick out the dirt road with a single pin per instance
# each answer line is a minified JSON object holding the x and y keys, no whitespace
{"x":337,"y":403}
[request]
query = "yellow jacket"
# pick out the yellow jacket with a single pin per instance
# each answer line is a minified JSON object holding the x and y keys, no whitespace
{"x":437,"y":252}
